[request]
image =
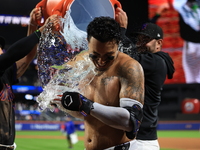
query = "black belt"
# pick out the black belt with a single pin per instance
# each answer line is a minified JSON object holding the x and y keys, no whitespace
{"x":124,"y":146}
{"x":6,"y":147}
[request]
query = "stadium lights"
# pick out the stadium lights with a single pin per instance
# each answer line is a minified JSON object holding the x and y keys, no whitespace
{"x":14,"y":20}
{"x":27,"y":89}
{"x":29,"y":97}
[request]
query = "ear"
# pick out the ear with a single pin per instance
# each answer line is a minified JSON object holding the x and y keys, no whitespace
{"x":160,"y":42}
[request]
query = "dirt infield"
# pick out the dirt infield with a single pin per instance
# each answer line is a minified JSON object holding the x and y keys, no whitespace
{"x":180,"y":143}
{"x":172,"y":143}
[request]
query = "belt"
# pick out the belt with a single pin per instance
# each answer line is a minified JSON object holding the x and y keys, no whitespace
{"x":6,"y":147}
{"x":124,"y":146}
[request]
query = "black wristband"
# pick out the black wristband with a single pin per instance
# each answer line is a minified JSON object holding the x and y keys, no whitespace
{"x":87,"y":106}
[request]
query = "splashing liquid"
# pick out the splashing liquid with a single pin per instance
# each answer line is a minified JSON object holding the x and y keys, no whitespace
{"x":56,"y":48}
{"x":54,"y":51}
{"x":67,"y":78}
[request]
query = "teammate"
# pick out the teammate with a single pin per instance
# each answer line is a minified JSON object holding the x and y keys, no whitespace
{"x":156,"y":65}
{"x":13,"y":63}
{"x":112,"y":102}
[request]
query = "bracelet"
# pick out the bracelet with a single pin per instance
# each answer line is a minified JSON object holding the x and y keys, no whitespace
{"x":38,"y":33}
{"x":34,"y":25}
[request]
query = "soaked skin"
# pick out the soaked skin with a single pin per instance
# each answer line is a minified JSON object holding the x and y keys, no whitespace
{"x":118,"y":76}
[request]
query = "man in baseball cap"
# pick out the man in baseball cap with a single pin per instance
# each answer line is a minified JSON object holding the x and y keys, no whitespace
{"x":2,"y":42}
{"x":149,"y":33}
{"x":152,"y":30}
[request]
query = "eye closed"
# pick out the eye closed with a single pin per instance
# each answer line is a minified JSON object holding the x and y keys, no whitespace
{"x":111,"y":57}
{"x":94,"y":57}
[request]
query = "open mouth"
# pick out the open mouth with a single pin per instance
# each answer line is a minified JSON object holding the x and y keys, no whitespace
{"x":103,"y":66}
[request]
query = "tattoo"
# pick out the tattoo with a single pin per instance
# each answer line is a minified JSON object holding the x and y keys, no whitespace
{"x":132,"y":80}
{"x":106,"y":80}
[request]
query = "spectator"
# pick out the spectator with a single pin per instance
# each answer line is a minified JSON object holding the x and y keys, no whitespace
{"x":189,"y":22}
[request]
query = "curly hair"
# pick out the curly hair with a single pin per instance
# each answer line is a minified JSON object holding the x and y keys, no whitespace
{"x":104,"y":29}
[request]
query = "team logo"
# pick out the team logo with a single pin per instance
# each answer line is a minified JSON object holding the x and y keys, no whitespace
{"x":144,"y":26}
{"x":189,"y":106}
{"x":68,"y":101}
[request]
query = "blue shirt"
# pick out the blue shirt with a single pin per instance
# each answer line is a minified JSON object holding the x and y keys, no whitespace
{"x":69,"y":127}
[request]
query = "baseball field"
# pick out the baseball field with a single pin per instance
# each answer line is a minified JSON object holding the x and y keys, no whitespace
{"x":51,"y":140}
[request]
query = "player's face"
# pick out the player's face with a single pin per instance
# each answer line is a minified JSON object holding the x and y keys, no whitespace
{"x":102,"y":54}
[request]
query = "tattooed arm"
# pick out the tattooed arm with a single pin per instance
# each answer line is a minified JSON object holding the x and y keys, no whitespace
{"x":132,"y":88}
{"x":132,"y":81}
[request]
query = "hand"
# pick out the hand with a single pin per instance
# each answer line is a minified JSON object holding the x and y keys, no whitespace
{"x":36,"y":14}
{"x":55,"y":20}
{"x":121,"y":17}
{"x":76,"y":102}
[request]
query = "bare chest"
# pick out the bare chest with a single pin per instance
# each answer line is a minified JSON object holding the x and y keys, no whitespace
{"x":104,"y":90}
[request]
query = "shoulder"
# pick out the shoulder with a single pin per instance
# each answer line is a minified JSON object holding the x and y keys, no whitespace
{"x":126,"y":59}
{"x":129,"y":66}
{"x":150,"y":60}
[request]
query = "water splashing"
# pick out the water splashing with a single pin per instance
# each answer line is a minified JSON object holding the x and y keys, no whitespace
{"x":67,"y":78}
{"x":55,"y":49}
{"x":58,"y":47}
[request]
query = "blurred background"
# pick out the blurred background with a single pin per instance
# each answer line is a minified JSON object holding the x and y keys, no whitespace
{"x":180,"y":100}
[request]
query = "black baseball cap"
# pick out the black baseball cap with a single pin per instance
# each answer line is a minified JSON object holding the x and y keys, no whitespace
{"x":151,"y":30}
{"x":2,"y":42}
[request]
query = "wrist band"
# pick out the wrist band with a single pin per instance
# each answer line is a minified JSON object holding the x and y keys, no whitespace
{"x":34,"y":25}
{"x":38,"y":33}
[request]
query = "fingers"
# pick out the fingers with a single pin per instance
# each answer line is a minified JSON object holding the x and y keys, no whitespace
{"x":36,"y":14}
{"x":121,"y":17}
{"x":58,"y":98}
{"x":55,"y":20}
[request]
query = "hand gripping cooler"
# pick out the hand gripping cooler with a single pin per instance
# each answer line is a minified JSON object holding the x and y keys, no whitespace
{"x":78,"y":7}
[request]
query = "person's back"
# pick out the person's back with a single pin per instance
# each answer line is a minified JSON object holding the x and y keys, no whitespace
{"x":157,"y":65}
{"x":146,"y":47}
{"x":155,"y":70}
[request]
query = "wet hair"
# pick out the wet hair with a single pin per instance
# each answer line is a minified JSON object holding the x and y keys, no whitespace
{"x":104,"y":29}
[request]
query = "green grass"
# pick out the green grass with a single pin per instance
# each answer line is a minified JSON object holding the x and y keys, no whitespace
{"x":45,"y":144}
{"x":61,"y":143}
{"x":180,"y":134}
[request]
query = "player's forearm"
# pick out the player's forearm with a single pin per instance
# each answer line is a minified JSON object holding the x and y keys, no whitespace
{"x":18,"y":50}
{"x":115,"y":117}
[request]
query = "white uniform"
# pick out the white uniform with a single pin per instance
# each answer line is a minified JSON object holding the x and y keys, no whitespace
{"x":191,"y":50}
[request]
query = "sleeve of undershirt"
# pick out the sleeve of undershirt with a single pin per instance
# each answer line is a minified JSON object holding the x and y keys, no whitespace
{"x":18,"y":50}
